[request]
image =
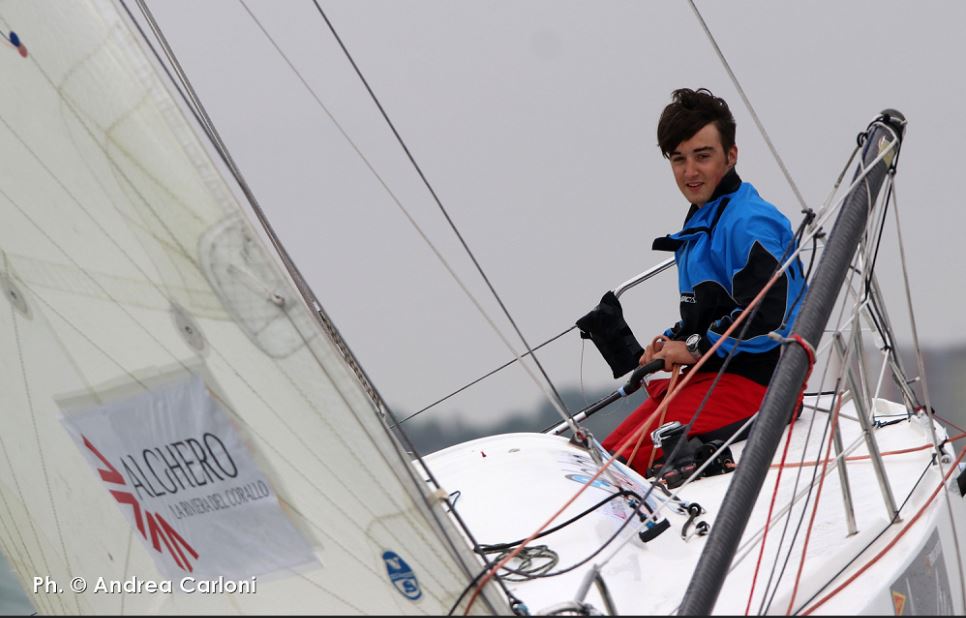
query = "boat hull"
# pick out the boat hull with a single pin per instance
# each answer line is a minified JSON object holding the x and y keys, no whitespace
{"x":506,"y":487}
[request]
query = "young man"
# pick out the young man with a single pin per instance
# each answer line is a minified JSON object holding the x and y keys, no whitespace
{"x":732,"y":243}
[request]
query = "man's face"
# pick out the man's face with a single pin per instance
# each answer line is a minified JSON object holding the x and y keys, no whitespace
{"x":699,"y":164}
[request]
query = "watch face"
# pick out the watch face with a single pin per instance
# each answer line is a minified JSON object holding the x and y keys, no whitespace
{"x":692,"y":343}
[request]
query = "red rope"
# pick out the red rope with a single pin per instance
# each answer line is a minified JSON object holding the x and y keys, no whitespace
{"x":901,"y":451}
{"x":962,"y":431}
{"x":675,"y":371}
{"x":810,"y":352}
{"x":818,"y":496}
{"x":771,"y":508}
{"x":626,"y":442}
{"x":891,"y":543}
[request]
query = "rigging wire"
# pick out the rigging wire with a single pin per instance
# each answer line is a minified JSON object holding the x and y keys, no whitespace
{"x":408,"y":443}
{"x":121,"y":306}
{"x":877,"y":313}
{"x":815,"y":230}
{"x":785,"y":265}
{"x":826,"y":438}
{"x":481,"y":378}
{"x":868,"y":277}
{"x":834,"y":461}
{"x":553,"y":395}
{"x":889,"y":546}
{"x":571,"y":329}
{"x":768,"y":516}
{"x":751,"y":109}
{"x":833,"y":419}
{"x":871,"y":542}
{"x":763,"y":607}
{"x":191,"y":99}
{"x":833,"y":407}
{"x":901,"y":451}
{"x":925,"y":386}
{"x":198,"y":110}
{"x":746,"y":549}
{"x":953,"y":425}
{"x":799,"y":234}
{"x":621,"y":493}
{"x":829,"y":209}
{"x":504,"y":548}
{"x":739,"y":320}
{"x":475,"y":262}
{"x":835,"y":404}
{"x":617,"y":291}
{"x":672,"y":497}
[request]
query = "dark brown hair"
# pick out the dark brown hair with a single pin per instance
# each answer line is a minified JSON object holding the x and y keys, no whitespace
{"x":687,"y":113}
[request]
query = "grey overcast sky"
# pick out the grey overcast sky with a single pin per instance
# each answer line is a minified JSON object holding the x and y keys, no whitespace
{"x":534,"y":121}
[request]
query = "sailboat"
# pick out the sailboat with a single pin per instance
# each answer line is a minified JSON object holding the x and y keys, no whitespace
{"x":186,"y":431}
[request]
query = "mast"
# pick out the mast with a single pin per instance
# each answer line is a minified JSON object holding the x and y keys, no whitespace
{"x":780,"y":400}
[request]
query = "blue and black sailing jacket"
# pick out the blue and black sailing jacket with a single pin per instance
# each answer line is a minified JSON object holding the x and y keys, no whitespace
{"x":727,"y":251}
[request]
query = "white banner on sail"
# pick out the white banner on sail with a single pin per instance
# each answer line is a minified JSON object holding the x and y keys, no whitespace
{"x":181,"y":474}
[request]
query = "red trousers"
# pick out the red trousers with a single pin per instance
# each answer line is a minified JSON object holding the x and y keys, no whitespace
{"x":734,"y":399}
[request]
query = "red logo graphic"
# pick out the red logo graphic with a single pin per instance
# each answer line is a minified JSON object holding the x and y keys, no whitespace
{"x":159,"y":529}
{"x":898,"y":602}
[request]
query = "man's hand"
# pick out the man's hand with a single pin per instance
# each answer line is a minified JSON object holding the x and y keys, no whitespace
{"x":673,"y":352}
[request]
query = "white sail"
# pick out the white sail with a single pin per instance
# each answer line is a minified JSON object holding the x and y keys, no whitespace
{"x":141,"y":311}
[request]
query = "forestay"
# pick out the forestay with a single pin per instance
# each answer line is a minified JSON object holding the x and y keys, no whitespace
{"x":171,"y":407}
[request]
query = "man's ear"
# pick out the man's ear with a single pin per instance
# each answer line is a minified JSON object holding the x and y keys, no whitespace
{"x":733,"y":155}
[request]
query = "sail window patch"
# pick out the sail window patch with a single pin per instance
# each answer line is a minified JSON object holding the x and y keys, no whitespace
{"x":13,"y":293}
{"x":188,"y":328}
{"x":252,"y":289}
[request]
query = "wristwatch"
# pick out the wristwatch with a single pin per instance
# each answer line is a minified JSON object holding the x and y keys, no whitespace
{"x":692,"y":344}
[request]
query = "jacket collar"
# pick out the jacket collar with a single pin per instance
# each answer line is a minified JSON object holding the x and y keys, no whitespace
{"x":730,"y":183}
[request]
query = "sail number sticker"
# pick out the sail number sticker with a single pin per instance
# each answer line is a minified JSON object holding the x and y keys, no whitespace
{"x":402,"y":576}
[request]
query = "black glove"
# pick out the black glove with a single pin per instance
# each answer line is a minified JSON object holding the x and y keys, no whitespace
{"x":605,"y":326}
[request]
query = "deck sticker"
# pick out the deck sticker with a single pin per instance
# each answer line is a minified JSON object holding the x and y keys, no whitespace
{"x":898,"y":603}
{"x":923,"y":589}
{"x":584,"y":478}
{"x":184,"y":479}
{"x":401,"y":576}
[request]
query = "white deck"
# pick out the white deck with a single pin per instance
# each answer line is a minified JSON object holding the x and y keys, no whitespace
{"x":511,"y":484}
